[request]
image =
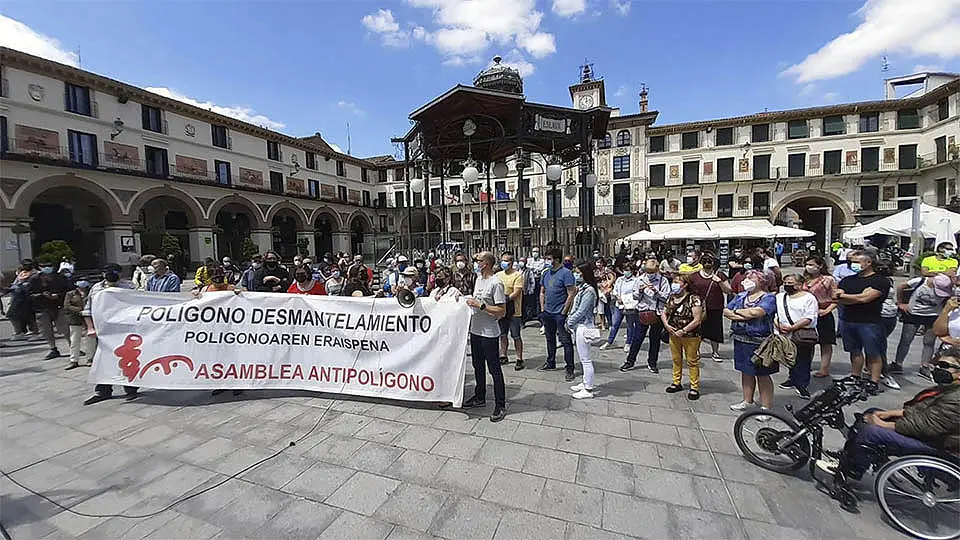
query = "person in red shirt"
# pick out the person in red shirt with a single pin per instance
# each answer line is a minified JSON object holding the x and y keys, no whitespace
{"x":305,"y":284}
{"x":711,"y":285}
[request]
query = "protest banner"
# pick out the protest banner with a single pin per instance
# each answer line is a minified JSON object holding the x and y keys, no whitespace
{"x":360,"y":346}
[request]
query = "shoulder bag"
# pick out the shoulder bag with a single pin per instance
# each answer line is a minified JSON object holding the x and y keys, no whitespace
{"x":802,"y":336}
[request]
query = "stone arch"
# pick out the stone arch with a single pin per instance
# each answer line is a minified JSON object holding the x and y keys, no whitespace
{"x":418,"y":220}
{"x":298,"y":214}
{"x":235,"y":198}
{"x":846,"y":207}
{"x":365,"y":220}
{"x":332,"y":216}
{"x":194,"y":210}
{"x":26,"y":195}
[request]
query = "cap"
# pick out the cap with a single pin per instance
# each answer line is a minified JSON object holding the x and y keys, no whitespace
{"x":410,"y":271}
{"x":402,"y":258}
{"x":942,"y":285}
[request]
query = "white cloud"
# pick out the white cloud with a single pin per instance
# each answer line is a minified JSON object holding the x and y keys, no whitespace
{"x":914,"y":28}
{"x":240,"y":112}
{"x":921,"y":68}
{"x":621,"y":91}
{"x":16,"y":35}
{"x":351,"y":107}
{"x":539,"y":45}
{"x":830,"y":97}
{"x":621,"y":6}
{"x":386,"y":26}
{"x":569,"y":8}
{"x":515,"y":60}
{"x":807,"y":89}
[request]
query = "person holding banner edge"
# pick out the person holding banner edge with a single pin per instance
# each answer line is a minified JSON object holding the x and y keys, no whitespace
{"x":490,"y":301}
{"x":111,"y":278}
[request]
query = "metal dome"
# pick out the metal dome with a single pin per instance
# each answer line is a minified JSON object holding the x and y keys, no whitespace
{"x":499,"y":77}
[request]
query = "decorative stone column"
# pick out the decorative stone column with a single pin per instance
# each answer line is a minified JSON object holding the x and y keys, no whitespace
{"x":202,"y":245}
{"x":122,"y":246}
{"x":263,"y":238}
{"x":15,"y":244}
{"x":341,"y":242}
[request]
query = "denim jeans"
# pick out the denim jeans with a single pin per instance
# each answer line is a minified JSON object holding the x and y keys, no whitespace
{"x":485,"y":353}
{"x":632,"y":320}
{"x":907,"y":332}
{"x":554,"y":329}
{"x":800,"y":372}
{"x":653,"y":349}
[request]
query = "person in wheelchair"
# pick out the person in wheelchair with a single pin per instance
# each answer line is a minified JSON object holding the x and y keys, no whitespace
{"x":927,"y":424}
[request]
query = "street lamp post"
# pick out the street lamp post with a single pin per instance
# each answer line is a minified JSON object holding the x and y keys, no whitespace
{"x":827,"y":227}
{"x":554,"y":171}
{"x":916,"y":237}
{"x":416,"y":186}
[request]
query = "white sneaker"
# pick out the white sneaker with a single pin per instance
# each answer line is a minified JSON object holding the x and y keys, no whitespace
{"x":763,"y":417}
{"x":890,"y":382}
{"x":605,"y":346}
{"x":542,"y":330}
{"x":583,"y":393}
{"x":742,"y":406}
{"x":828,"y":464}
{"x":579,"y":387}
{"x":626,"y":348}
{"x":717,"y":358}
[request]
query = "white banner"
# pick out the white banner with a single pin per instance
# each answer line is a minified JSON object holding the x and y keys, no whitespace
{"x":361,"y":346}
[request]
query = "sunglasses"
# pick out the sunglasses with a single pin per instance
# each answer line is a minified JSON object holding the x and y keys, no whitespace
{"x":946,"y":365}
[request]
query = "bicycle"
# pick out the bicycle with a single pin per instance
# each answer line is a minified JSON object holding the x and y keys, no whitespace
{"x":928,"y":484}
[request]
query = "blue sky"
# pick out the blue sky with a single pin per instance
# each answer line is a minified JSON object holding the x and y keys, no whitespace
{"x":304,"y":66}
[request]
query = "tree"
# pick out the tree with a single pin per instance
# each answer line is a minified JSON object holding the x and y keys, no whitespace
{"x":249,"y":249}
{"x":170,"y":248}
{"x":54,"y":251}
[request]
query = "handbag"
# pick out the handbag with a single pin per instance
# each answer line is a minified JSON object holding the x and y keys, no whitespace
{"x":592,"y":335}
{"x":802,"y":336}
{"x":648,"y":317}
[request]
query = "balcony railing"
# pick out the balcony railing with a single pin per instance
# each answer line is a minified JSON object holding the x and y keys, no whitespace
{"x":620,"y":209}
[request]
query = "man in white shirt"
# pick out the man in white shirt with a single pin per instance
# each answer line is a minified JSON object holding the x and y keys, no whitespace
{"x":489,"y":300}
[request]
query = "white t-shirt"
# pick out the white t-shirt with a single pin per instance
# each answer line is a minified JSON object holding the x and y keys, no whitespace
{"x":770,"y":263}
{"x":803,"y":306}
{"x":489,"y":291}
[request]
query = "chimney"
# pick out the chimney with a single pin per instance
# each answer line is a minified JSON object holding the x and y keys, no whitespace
{"x":643,"y":98}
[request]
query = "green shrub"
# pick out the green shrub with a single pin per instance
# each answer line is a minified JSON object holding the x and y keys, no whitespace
{"x":54,"y":251}
{"x":249,"y":249}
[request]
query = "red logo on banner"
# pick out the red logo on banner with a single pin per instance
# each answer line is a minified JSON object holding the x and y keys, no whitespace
{"x":129,"y":355}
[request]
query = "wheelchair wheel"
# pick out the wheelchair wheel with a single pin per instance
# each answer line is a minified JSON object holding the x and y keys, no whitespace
{"x":921,"y":496}
{"x":768,"y":430}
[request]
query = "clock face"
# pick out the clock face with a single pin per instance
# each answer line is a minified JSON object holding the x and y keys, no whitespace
{"x":586,"y":102}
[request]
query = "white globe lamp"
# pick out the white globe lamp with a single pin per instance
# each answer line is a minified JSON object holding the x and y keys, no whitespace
{"x":416,"y":185}
{"x":554,"y":170}
{"x":470,"y":173}
{"x":590,"y":180}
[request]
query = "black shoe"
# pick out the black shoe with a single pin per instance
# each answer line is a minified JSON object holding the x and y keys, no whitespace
{"x":504,"y":360}
{"x":693,"y":395}
{"x":895,"y":368}
{"x":474,"y":402}
{"x":674,"y":388}
{"x":499,"y":413}
{"x":52,"y":354}
{"x":547,"y":367}
{"x":627,"y":366}
{"x":71,"y":365}
{"x":803,"y":392}
{"x":217,"y":392}
{"x":653,"y":369}
{"x":131,"y":397}
{"x":569,"y":375}
{"x":96,"y":398}
{"x":519,"y":366}
{"x":786,"y":385}
{"x":82,"y":353}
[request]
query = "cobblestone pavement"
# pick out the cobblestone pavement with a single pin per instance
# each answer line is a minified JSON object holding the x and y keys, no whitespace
{"x":633,"y":462}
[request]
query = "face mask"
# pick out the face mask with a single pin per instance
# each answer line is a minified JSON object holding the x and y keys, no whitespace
{"x":789,"y":289}
{"x":419,"y":265}
{"x":47,"y":269}
{"x":856,"y":267}
{"x":548,"y":261}
{"x":301,"y":278}
{"x":747,"y":266}
{"x":83,"y":284}
{"x":431,"y":255}
{"x":675,"y":288}
{"x":536,"y":254}
{"x":949,"y":253}
{"x":578,"y":279}
{"x":942,"y":376}
{"x":748,"y":285}
{"x":504,"y":265}
{"x":568,"y":265}
{"x":297,"y":262}
{"x":689,"y":260}
{"x":270,"y":264}
{"x":812,"y":270}
{"x":255,"y":265}
{"x":461,"y":265}
{"x":476,"y":268}
{"x":336,"y":275}
{"x":521,"y":265}
{"x":628,"y":273}
{"x":111,"y":276}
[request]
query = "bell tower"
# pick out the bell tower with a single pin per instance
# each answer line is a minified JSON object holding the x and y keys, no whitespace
{"x":589,"y":92}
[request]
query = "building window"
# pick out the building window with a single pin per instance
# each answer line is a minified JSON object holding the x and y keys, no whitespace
{"x":761,"y":204}
{"x":607,"y":142}
{"x":477,"y":221}
{"x":834,"y":125}
{"x":908,"y":119}
{"x":341,"y":169}
{"x":398,"y":199}
{"x":943,"y":109}
{"x":4,"y":142}
{"x":273,"y":150}
{"x":435,"y":196}
{"x":398,"y":175}
{"x":658,"y":175}
{"x":760,"y":133}
{"x":77,"y":99}
{"x":724,"y":136}
{"x":455,"y":222}
{"x":219,"y":136}
{"x":658,"y":144}
{"x":156,"y":161}
{"x":276,"y":182}
{"x":311,"y":160}
{"x":621,"y":167}
{"x":761,"y":166}
{"x":382,"y":176}
{"x":691,"y":173}
{"x":223,"y":172}
{"x":870,"y":159}
{"x":658,"y":209}
{"x":798,"y":129}
{"x":455,"y":193}
{"x":725,"y":170}
{"x":869,"y":198}
{"x":342,"y":193}
{"x":366,"y":198}
{"x":313,"y":189}
{"x":941,"y":190}
{"x":152,"y":118}
{"x":621,"y":199}
{"x":941,"y":144}
{"x":689,"y":140}
{"x":690,"y":207}
{"x":83,"y":148}
{"x":869,"y":122}
{"x":907,"y":156}
{"x":906,"y":190}
{"x":724,"y":206}
{"x":831,"y":161}
{"x":501,"y":219}
{"x":623,"y":138}
{"x":554,"y":204}
{"x":796,"y":165}
{"x":363,"y":175}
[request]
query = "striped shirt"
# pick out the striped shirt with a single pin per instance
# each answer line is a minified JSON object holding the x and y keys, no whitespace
{"x":168,"y":282}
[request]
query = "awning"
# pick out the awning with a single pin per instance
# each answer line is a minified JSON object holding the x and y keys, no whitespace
{"x":712,"y":230}
{"x":934,"y":223}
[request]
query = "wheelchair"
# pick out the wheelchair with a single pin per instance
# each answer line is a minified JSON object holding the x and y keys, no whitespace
{"x":919,"y":494}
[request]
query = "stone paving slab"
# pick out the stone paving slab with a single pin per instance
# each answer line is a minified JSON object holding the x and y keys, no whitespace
{"x":632,"y":463}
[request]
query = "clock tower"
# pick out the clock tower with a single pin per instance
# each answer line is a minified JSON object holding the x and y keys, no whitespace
{"x":589,"y":92}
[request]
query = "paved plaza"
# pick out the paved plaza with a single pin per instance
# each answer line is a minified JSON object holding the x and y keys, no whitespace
{"x":633,"y":462}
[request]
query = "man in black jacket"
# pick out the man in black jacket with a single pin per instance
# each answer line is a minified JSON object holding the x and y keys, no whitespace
{"x":272,"y":277}
{"x":47,"y":290}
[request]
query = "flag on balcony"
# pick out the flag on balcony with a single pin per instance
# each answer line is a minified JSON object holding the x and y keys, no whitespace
{"x":503,"y":196}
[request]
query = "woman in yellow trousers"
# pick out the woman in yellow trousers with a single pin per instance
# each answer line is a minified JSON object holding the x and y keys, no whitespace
{"x":681,"y":317}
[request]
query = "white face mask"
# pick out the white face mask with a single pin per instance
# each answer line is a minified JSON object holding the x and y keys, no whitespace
{"x":689,"y":260}
{"x":461,"y":265}
{"x":748,"y":285}
{"x":408,"y":281}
